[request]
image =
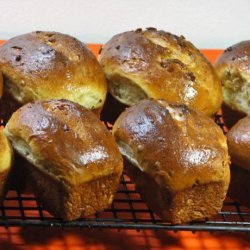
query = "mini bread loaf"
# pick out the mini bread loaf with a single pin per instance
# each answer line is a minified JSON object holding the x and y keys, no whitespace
{"x":155,"y":64}
{"x":6,"y":161}
{"x":233,"y":68}
{"x":177,"y":158}
{"x":50,"y":65}
{"x":238,"y":139}
{"x":75,"y":164}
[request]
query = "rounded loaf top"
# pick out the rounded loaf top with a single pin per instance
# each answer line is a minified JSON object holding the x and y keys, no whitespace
{"x":50,"y":65}
{"x":65,"y":140}
{"x":156,"y":64}
{"x":178,"y":146}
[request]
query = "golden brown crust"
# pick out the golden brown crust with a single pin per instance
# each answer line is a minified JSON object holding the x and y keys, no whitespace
{"x":197,"y":202}
{"x":72,"y":202}
{"x":183,"y":141}
{"x":68,"y":147}
{"x":179,"y":148}
{"x":51,"y":65}
{"x":57,"y":132}
{"x":163,"y":66}
{"x":6,"y":161}
{"x":237,"y":55}
{"x":238,"y":139}
{"x":233,"y":68}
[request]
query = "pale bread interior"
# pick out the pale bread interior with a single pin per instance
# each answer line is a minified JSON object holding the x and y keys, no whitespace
{"x":236,"y":89}
{"x":24,"y":149}
{"x":128,"y":153}
{"x":126,"y":92}
{"x":89,"y":98}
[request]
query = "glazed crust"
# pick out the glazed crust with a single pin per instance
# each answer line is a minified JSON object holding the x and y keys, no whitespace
{"x":68,"y":145}
{"x":57,"y":132}
{"x":160,"y":65}
{"x":238,"y":139}
{"x":233,"y":68}
{"x":51,"y":65}
{"x":236,"y":56}
{"x":6,"y":161}
{"x":179,"y":149}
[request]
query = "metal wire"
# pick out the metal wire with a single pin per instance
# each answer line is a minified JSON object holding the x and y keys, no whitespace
{"x":128,"y":211}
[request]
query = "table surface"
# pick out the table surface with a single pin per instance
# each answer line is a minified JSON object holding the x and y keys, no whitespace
{"x":16,"y":238}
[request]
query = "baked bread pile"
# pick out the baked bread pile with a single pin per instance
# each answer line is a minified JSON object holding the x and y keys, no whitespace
{"x":53,"y":90}
{"x":68,"y":157}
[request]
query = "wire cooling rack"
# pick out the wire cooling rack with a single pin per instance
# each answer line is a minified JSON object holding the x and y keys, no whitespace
{"x":128,"y":211}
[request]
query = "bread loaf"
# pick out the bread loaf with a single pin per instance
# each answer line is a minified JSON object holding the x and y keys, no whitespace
{"x":177,"y":157}
{"x":50,"y":65}
{"x":155,"y":64}
{"x":75,"y":165}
